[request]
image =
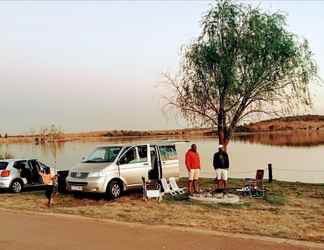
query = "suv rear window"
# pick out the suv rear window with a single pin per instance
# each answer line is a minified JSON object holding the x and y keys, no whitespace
{"x":3,"y":165}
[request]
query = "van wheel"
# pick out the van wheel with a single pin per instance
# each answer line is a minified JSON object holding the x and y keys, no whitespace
{"x":16,"y":186}
{"x":114,"y":190}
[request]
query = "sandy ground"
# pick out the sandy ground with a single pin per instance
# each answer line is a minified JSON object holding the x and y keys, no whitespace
{"x":38,"y":232}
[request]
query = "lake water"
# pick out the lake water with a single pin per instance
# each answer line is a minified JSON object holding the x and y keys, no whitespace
{"x":291,"y":163}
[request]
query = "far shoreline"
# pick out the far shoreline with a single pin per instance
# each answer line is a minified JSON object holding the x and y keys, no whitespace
{"x":109,"y":135}
{"x":290,"y":138}
{"x":307,"y":130}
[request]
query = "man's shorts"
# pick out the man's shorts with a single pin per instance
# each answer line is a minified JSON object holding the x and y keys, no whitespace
{"x":221,"y":174}
{"x":194,"y":174}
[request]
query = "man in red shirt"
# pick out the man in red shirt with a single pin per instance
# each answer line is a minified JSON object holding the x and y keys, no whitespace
{"x":193,"y":167}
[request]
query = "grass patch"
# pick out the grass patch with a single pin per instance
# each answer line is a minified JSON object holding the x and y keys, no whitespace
{"x":275,"y":199}
{"x":179,"y":197}
{"x":223,"y":205}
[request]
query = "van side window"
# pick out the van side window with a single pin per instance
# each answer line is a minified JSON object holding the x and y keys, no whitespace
{"x":142,"y":153}
{"x":128,"y":157}
{"x":168,"y":152}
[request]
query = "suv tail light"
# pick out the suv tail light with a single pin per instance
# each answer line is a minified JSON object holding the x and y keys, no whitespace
{"x":5,"y":173}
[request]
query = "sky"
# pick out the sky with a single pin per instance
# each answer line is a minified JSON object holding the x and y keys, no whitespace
{"x":94,"y":65}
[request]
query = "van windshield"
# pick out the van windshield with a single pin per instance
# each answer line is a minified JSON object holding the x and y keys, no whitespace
{"x":104,"y":154}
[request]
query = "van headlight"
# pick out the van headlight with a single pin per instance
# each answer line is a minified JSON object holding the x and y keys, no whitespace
{"x":96,"y":174}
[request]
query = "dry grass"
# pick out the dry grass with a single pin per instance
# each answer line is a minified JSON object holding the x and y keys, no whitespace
{"x":291,"y":210}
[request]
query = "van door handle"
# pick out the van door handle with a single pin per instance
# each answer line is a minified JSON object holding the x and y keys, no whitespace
{"x":145,"y":163}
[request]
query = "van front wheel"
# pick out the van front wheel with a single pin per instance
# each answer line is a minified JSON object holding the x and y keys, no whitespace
{"x":114,"y":190}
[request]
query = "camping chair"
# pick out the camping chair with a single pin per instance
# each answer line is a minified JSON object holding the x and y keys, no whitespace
{"x":174,"y":186}
{"x":254,"y":187}
{"x":166,"y":187}
{"x":151,"y":190}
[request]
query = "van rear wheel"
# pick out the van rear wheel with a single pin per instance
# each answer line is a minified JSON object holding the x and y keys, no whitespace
{"x":114,"y":189}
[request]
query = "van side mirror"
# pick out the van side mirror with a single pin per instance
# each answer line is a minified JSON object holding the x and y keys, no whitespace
{"x":83,"y":158}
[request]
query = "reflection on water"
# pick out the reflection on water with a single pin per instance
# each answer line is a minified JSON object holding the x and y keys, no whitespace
{"x":53,"y":149}
{"x":304,"y":164}
{"x":299,"y":138}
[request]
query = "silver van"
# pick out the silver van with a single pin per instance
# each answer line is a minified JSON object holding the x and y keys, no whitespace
{"x":112,"y":169}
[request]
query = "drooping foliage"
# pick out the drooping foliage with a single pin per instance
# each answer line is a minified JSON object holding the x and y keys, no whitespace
{"x":244,"y":63}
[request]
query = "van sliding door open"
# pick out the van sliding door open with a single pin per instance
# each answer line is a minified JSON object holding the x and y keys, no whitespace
{"x":169,"y":161}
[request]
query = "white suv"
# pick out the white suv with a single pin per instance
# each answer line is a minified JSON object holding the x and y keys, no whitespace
{"x":16,"y":174}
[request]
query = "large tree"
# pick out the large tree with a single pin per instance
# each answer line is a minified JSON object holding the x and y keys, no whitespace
{"x":245,"y":62}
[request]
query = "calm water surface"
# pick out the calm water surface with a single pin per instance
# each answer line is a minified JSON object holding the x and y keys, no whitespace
{"x":302,"y":163}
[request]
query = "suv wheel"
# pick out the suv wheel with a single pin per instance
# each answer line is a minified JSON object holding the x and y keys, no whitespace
{"x":114,"y":189}
{"x":16,"y":186}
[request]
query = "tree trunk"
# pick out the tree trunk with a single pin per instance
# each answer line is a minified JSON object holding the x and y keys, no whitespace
{"x":223,"y":135}
{"x":220,"y":126}
{"x":222,"y":130}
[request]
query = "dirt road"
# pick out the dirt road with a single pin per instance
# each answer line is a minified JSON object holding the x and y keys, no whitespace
{"x":19,"y":231}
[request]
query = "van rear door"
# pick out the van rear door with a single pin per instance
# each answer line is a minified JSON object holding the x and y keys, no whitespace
{"x":169,"y":161}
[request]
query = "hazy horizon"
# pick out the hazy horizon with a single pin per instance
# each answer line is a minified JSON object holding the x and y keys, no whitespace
{"x":97,"y":65}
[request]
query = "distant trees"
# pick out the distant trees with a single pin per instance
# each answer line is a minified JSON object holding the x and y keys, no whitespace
{"x":45,"y":134}
{"x":48,"y":134}
{"x":245,"y":62}
{"x":6,"y":155}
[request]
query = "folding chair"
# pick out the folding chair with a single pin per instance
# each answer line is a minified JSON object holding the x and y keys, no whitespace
{"x":174,"y":186}
{"x":166,"y":187}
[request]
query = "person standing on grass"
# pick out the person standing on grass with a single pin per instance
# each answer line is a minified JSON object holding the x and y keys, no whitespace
{"x":50,"y":180}
{"x":221,"y":165}
{"x":193,"y":166}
